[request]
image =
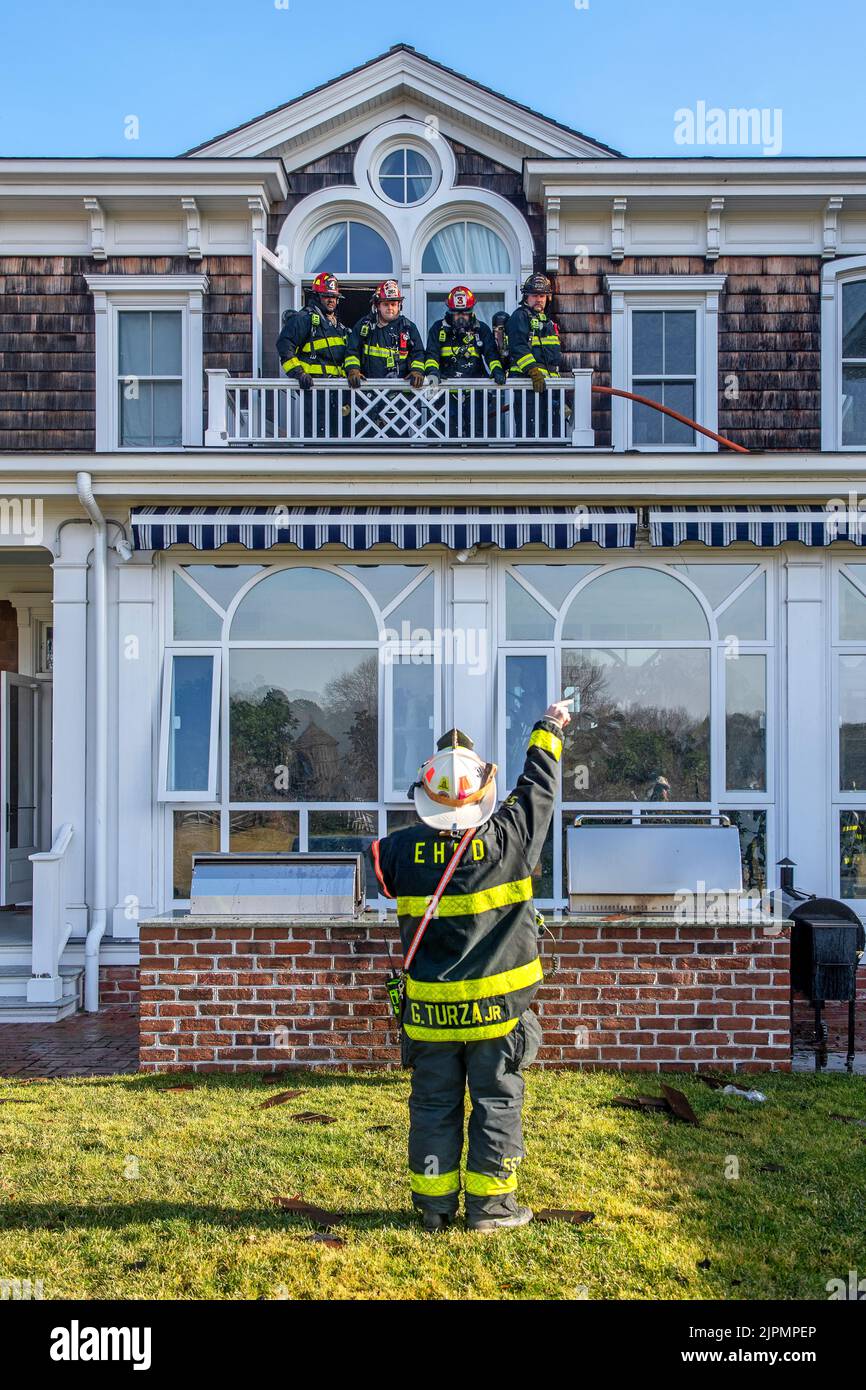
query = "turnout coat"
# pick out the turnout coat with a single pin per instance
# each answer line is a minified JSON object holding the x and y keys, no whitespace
{"x":477,"y":967}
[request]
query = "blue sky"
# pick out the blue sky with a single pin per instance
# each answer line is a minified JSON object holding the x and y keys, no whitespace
{"x":617,"y":70}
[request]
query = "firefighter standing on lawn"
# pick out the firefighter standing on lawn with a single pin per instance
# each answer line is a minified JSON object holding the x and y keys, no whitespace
{"x":384,"y":345}
{"x":312,"y":345}
{"x":535,"y":349}
{"x":466,"y":1014}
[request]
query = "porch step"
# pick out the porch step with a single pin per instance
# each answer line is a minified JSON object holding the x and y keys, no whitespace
{"x":15,"y":1006}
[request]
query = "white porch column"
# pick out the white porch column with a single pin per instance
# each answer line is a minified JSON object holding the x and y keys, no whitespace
{"x":134,"y":850}
{"x":806,"y":730}
{"x":69,"y":735}
{"x":472,"y":648}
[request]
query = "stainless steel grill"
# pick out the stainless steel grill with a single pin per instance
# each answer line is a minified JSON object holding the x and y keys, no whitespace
{"x":663,"y":862}
{"x":277,"y":885}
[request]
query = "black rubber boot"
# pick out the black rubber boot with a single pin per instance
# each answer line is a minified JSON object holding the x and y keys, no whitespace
{"x":521,"y":1217}
{"x":436,"y":1220}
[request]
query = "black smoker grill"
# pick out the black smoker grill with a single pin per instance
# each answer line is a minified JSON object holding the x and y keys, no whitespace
{"x":827,"y":941}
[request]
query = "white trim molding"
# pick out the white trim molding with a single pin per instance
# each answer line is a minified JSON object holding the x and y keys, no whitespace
{"x":93,"y":207}
{"x":112,"y":293}
{"x":834,"y":276}
{"x":698,"y":292}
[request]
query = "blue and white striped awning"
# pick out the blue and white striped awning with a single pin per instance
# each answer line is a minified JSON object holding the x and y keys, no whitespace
{"x":762,"y":525}
{"x":361,"y":528}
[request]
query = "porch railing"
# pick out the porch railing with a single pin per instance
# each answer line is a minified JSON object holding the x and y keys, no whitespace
{"x":250,"y":411}
{"x":50,"y":927}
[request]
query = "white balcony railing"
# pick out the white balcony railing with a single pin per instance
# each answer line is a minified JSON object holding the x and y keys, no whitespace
{"x":50,"y":926}
{"x":248,"y":411}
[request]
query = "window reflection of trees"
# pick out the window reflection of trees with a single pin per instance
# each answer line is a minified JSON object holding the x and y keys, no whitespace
{"x":643,"y":730}
{"x":314,"y":747}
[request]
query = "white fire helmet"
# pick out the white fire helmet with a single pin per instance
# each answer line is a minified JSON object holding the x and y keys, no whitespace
{"x":455,"y":787}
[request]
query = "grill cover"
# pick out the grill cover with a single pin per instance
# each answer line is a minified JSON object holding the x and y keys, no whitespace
{"x":647,"y":868}
{"x":277,"y":885}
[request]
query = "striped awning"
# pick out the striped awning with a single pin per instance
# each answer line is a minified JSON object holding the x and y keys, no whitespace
{"x":361,"y":528}
{"x":762,"y":525}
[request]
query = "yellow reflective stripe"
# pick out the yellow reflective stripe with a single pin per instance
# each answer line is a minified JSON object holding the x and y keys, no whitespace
{"x":506,"y":982}
{"x":551,"y":743}
{"x":466,"y":904}
{"x":372,"y":350}
{"x":431,"y":365}
{"x":321,"y":343}
{"x":290,"y":364}
{"x":489,"y":1030}
{"x":350,"y":360}
{"x":480,"y":1185}
{"x":523,"y":361}
{"x":439,"y":1186}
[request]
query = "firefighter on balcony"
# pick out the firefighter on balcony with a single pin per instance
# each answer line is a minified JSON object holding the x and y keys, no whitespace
{"x":383,"y":345}
{"x":312,"y":345}
{"x":460,"y":346}
{"x":533,"y":342}
{"x":466,"y":1016}
{"x":499,"y":324}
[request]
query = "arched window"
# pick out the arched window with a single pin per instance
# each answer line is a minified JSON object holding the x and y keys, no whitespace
{"x":348,"y":248}
{"x":299,"y":700}
{"x":469,"y":252}
{"x":465,"y":248}
{"x":671,"y":671}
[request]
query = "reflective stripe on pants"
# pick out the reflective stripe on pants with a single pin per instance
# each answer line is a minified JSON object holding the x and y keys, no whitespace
{"x":493,"y":1071}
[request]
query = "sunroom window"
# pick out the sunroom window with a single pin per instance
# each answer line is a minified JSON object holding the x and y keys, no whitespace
{"x":332,"y":696}
{"x":849,"y":660}
{"x":671,"y":669}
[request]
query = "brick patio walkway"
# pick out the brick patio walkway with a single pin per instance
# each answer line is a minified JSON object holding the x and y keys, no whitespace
{"x":83,"y":1045}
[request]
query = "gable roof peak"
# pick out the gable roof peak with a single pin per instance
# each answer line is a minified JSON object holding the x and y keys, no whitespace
{"x":529,"y":131}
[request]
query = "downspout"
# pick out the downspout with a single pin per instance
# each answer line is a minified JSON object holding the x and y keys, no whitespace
{"x":99,"y":903}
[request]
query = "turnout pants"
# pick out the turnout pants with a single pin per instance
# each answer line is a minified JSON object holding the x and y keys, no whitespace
{"x":493,"y":1071}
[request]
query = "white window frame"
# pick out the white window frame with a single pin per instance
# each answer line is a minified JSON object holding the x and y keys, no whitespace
{"x":719,"y":799}
{"x":111,"y":295}
{"x":834,"y":275}
{"x":841,"y":800}
{"x":696,"y":292}
{"x":391,"y":798}
{"x":209,"y":794}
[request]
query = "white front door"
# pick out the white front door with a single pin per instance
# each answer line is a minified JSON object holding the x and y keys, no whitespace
{"x":22,"y":733}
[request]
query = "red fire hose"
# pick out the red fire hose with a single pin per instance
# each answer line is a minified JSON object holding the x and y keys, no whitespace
{"x":666,"y":410}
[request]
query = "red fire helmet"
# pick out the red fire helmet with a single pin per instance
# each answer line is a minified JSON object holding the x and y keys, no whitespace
{"x":389,"y":290}
{"x":325,"y":284}
{"x":461,"y":298}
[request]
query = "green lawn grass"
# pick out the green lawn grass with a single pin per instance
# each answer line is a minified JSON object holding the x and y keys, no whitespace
{"x":114,"y":1188}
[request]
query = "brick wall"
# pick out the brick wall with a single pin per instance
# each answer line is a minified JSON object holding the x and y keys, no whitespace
{"x":835,"y":1017}
{"x":273,"y":997}
{"x":119,"y":987}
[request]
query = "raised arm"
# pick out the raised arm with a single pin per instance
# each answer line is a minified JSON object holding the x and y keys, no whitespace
{"x":526,"y":812}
